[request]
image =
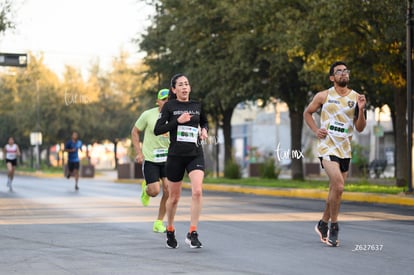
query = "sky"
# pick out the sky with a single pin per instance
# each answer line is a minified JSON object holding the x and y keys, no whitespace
{"x":77,"y":32}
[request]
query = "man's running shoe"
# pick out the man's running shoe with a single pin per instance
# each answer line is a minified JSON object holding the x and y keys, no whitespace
{"x":159,"y":227}
{"x":321,"y":228}
{"x":333,"y":235}
{"x":144,"y":196}
{"x":171,"y":240}
{"x":192,"y":240}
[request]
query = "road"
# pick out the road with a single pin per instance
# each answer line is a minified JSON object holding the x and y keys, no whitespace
{"x":46,"y":227}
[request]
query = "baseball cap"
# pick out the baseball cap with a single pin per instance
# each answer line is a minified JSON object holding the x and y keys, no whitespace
{"x":163,"y":94}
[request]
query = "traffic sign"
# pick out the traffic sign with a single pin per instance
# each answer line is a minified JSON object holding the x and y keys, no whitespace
{"x":13,"y":59}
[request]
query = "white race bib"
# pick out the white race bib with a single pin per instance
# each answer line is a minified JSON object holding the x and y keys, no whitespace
{"x":187,"y":134}
{"x":160,"y":155}
{"x":338,"y":129}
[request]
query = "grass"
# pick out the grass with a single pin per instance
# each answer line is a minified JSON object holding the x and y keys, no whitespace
{"x":374,"y":188}
{"x":354,"y":186}
{"x":362,"y":186}
{"x":43,"y":169}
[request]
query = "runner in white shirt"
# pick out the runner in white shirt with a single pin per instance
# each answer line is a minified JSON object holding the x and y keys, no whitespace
{"x":11,"y":151}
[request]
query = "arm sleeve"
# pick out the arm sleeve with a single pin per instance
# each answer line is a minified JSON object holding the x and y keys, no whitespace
{"x":203,"y":119}
{"x":141,"y":122}
{"x":79,"y":145}
{"x":163,"y":124}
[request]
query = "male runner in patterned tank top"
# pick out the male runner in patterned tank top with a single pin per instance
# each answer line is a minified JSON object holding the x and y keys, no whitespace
{"x":342,"y":110}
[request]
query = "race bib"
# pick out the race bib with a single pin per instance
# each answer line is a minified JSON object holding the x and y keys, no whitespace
{"x":338,"y":129}
{"x":160,"y":155}
{"x":187,"y":134}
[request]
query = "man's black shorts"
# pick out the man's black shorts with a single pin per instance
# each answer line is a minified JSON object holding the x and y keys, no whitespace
{"x":12,"y":161}
{"x":343,"y":163}
{"x":153,"y":171}
{"x":176,"y":166}
{"x":73,"y":166}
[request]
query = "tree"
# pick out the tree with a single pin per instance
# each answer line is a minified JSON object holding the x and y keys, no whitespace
{"x":31,"y":103}
{"x":242,"y":50}
{"x":282,"y":62}
{"x":207,"y":51}
{"x":371,"y":39}
{"x":6,"y":15}
{"x":120,"y":99}
{"x":102,"y":108}
{"x":6,"y":95}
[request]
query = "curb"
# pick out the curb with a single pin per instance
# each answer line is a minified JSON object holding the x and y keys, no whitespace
{"x":404,"y":200}
{"x":39,"y":174}
{"x":400,"y":199}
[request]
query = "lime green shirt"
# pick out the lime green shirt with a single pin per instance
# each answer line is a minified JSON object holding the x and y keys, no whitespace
{"x":154,"y":148}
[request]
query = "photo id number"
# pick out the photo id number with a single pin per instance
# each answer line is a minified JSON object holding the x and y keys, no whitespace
{"x":368,"y":247}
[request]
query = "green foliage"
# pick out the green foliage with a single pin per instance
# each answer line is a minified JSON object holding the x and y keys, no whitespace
{"x":6,"y":15}
{"x":242,"y":50}
{"x":104,"y":107}
{"x":360,"y":186}
{"x":359,"y":154}
{"x":216,"y":49}
{"x":44,"y":168}
{"x":268,"y":169}
{"x":232,"y":170}
{"x":360,"y":158}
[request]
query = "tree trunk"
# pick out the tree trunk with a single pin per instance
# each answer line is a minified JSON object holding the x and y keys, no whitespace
{"x":296,"y":125}
{"x":115,"y":153}
{"x":400,"y":130}
{"x":217,"y":146}
{"x":48,"y":156}
{"x":228,"y":113}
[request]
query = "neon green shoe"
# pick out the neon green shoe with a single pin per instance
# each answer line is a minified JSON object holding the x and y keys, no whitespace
{"x":144,"y":196}
{"x":159,"y":227}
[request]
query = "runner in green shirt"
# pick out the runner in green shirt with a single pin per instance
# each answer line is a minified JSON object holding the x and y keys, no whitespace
{"x":153,"y":156}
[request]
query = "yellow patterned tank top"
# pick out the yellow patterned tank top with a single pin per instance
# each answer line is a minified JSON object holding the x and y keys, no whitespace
{"x":337,"y":117}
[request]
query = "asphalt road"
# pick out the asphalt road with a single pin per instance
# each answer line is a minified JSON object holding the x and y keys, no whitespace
{"x":46,"y":227}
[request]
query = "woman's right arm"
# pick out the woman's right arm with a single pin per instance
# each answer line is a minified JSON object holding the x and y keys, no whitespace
{"x":163,"y":124}
{"x":316,"y":103}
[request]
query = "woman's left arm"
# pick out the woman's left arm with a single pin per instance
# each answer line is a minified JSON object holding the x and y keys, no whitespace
{"x":203,"y":124}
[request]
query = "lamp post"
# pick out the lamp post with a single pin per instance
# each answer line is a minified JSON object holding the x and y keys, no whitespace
{"x":410,"y":94}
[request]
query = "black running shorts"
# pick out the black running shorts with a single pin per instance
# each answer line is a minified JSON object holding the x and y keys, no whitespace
{"x":73,"y":166}
{"x":343,"y":163}
{"x":12,"y":161}
{"x":153,"y":171}
{"x":176,"y":166}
